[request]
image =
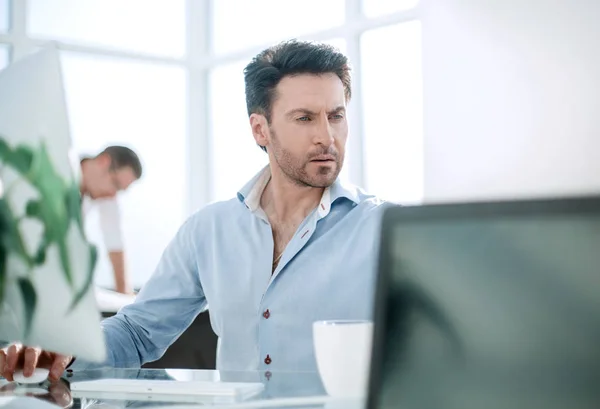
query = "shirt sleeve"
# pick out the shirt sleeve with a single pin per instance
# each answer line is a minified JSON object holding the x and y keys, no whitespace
{"x":110,"y":223}
{"x":168,"y":303}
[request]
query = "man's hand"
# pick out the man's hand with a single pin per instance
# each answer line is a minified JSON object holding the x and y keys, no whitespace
{"x":19,"y":356}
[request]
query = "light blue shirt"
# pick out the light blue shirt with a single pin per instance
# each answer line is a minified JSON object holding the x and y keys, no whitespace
{"x":222,"y":258}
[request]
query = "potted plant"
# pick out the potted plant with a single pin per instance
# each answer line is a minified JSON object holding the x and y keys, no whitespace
{"x":56,"y":207}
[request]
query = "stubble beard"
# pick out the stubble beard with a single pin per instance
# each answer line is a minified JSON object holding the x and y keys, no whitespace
{"x":296,"y":169}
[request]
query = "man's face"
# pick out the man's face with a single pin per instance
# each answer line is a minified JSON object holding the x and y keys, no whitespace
{"x":307,"y":135}
{"x":104,"y":182}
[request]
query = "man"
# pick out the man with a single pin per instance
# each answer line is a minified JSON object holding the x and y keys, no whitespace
{"x":102,"y":177}
{"x":296,"y":245}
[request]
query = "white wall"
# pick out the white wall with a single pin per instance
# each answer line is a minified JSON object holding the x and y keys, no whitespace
{"x":511,"y":98}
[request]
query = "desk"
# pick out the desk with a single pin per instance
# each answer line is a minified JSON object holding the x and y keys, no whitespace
{"x":282,"y":390}
{"x":109,"y":302}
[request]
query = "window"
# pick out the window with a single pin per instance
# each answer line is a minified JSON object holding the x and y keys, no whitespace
{"x":4,"y":15}
{"x":152,"y":27}
{"x":4,"y":56}
{"x":236,"y":157}
{"x":127,"y":65}
{"x":340,"y":44}
{"x":141,"y":105}
{"x":241,"y":24}
{"x":374,"y":8}
{"x":393,"y":118}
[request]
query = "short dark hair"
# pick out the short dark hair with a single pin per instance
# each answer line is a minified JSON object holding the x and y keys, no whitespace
{"x":291,"y":57}
{"x":123,"y":157}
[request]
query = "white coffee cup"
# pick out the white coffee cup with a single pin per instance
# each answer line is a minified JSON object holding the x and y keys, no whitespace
{"x":343,"y":353}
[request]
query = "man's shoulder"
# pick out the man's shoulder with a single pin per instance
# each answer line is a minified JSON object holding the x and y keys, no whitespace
{"x":216,"y":209}
{"x":373,"y":210}
{"x":207,"y":217}
{"x":371,"y":203}
{"x":365,"y":210}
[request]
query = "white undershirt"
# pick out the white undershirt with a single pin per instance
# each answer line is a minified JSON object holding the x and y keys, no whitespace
{"x":110,"y":220}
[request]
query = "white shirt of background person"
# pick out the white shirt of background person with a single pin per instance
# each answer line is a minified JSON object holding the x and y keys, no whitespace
{"x":109,"y":217}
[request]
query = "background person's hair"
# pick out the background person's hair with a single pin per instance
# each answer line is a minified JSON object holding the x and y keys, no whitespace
{"x":292,"y":57}
{"x":123,"y":157}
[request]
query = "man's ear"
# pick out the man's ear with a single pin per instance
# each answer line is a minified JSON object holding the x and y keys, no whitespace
{"x":260,"y":129}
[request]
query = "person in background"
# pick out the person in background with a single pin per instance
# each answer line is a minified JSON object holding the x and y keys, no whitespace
{"x":102,"y":177}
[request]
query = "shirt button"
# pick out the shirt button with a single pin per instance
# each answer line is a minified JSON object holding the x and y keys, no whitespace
{"x":268,"y":375}
{"x":267,"y":314}
{"x":268,"y":360}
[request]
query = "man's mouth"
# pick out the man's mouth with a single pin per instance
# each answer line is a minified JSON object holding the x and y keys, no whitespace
{"x":323,"y":158}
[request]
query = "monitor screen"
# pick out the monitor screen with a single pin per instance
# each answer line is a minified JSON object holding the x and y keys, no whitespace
{"x":489,"y":301}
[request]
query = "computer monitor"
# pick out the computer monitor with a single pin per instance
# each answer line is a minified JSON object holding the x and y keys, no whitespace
{"x":46,"y":263}
{"x":489,"y":305}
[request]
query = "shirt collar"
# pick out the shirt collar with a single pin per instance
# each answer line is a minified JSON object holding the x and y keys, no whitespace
{"x":252,"y":191}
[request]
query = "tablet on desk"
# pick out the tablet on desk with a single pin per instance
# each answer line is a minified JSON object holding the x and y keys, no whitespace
{"x":159,"y":389}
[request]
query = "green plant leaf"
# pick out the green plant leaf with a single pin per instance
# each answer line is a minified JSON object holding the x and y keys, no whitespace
{"x":73,"y":203}
{"x":29,"y":301}
{"x":34,"y":209}
{"x":51,"y":208}
{"x":4,"y":149}
{"x":63,"y":253}
{"x":3,"y":272}
{"x":3,"y":254}
{"x":58,"y":204}
{"x":51,"y":187}
{"x":10,"y":237}
{"x":40,"y":255}
{"x":21,"y":159}
{"x":89,"y":279}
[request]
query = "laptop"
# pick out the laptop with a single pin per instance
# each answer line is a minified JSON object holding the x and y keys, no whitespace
{"x":493,"y":305}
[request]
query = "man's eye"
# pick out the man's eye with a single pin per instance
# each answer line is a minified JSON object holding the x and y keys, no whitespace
{"x":337,"y":117}
{"x":304,"y":119}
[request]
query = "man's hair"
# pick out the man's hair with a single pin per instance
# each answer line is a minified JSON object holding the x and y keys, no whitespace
{"x":123,"y":157}
{"x":290,"y":58}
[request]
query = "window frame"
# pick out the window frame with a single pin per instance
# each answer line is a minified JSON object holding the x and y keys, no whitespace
{"x":199,"y":60}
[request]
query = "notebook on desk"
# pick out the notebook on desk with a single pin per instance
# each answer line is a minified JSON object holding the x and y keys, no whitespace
{"x":102,"y":388}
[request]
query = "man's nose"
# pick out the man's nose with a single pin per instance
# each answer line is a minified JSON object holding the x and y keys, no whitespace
{"x":324,"y":134}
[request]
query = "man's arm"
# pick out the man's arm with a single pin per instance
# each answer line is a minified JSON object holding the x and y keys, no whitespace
{"x":166,"y":306}
{"x":110,"y":223}
{"x":117,"y":259}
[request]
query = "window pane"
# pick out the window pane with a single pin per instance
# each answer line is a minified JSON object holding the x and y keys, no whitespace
{"x":340,"y":44}
{"x":4,"y":56}
{"x":153,"y":27}
{"x":141,"y":105}
{"x":236,"y":157}
{"x":393,"y":112}
{"x":373,"y":8}
{"x":4,"y":15}
{"x":239,"y":24}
